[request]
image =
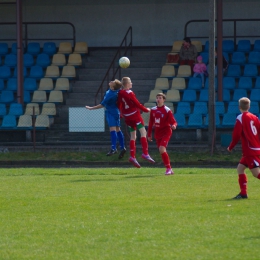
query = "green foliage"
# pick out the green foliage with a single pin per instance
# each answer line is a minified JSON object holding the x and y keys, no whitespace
{"x":127,"y":213}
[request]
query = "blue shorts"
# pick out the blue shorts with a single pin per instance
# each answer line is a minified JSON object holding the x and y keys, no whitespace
{"x":112,"y":119}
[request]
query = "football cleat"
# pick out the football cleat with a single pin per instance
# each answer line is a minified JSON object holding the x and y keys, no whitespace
{"x":240,"y":196}
{"x":134,"y":162}
{"x":122,"y":153}
{"x":148,"y":158}
{"x":111,"y":152}
{"x":169,"y":171}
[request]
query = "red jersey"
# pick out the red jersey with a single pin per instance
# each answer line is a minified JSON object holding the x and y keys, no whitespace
{"x":129,"y":104}
{"x":247,"y":128}
{"x":162,"y":118}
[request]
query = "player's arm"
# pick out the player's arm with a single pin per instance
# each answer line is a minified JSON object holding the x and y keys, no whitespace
{"x":235,"y":135}
{"x":95,"y":107}
{"x":138,"y":104}
{"x":172,"y":121}
{"x":150,"y":128}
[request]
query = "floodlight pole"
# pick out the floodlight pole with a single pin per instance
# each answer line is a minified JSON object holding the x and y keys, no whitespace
{"x":220,"y":56}
{"x":211,"y":104}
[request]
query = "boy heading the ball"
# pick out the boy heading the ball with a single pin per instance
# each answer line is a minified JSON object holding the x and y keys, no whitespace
{"x":130,"y":109}
{"x":163,"y":121}
{"x":113,"y":117}
{"x":246,"y":129}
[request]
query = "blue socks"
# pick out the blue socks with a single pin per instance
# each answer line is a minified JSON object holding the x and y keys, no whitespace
{"x":121,"y":139}
{"x":113,"y":139}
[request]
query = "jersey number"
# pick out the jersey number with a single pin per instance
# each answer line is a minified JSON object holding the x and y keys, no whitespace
{"x":253,"y":128}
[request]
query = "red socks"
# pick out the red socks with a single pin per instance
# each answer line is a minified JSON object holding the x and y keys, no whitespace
{"x":166,"y":160}
{"x":144,"y":144}
{"x":258,"y":177}
{"x":242,"y":180}
{"x":132,"y":148}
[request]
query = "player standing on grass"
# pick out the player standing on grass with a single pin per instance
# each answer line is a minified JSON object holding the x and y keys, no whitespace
{"x":113,"y":117}
{"x":130,"y":108}
{"x":162,"y":118}
{"x":247,"y":128}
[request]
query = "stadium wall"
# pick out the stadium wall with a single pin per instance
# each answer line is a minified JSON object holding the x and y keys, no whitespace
{"x":103,"y":23}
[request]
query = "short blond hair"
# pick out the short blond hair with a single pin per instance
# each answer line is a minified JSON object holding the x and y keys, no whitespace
{"x":161,"y":95}
{"x":125,"y":80}
{"x":117,"y":85}
{"x":244,"y":103}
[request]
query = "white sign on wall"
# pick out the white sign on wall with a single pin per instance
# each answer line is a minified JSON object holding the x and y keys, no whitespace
{"x":84,"y":120}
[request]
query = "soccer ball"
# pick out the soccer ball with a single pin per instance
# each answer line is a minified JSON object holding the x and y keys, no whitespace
{"x":124,"y":62}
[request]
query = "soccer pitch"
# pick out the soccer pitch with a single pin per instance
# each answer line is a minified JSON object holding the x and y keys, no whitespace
{"x":127,"y":213}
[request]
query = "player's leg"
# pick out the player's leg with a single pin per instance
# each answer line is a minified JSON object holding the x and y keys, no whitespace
{"x":242,"y":180}
{"x":162,"y":144}
{"x":121,"y":140}
{"x":113,"y":137}
{"x":144,"y":144}
{"x":132,"y":158}
{"x":256,"y":172}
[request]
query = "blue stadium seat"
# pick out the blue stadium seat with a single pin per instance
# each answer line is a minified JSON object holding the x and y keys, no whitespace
{"x":43,"y":60}
{"x":220,"y":107}
{"x":226,"y":95}
{"x":24,"y":72}
{"x":181,"y":120}
{"x":244,"y":46}
{"x":204,"y":95}
{"x":206,"y":47}
{"x":254,"y":57}
{"x":239,"y":93}
{"x":2,"y":84}
{"x":33,"y":48}
{"x":36,"y":72}
{"x":9,"y":121}
{"x":14,"y":48}
{"x":7,"y":97}
{"x":233,"y":107}
{"x":26,"y":97}
{"x":195,"y":83}
{"x":226,"y":56}
{"x":3,"y":110}
{"x":257,"y":45}
{"x":207,"y":83}
{"x":10,"y":60}
{"x":257,"y":82}
{"x":228,"y":46}
{"x":205,"y":57}
{"x":195,"y":120}
{"x":16,"y":109}
{"x":238,"y":58}
{"x":12,"y":84}
{"x":189,"y":95}
{"x":5,"y":72}
{"x":254,"y":107}
{"x":250,"y":70}
{"x":229,"y":83}
{"x":255,"y":94}
{"x":3,"y":48}
{"x":30,"y":84}
{"x":28,"y":60}
{"x":49,"y":48}
{"x":217,"y":120}
{"x":229,"y":120}
{"x":200,"y":108}
{"x":183,"y":108}
{"x":234,"y":71}
{"x":245,"y":83}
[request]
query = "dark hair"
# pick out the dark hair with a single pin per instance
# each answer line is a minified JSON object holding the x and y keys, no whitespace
{"x":187,"y":39}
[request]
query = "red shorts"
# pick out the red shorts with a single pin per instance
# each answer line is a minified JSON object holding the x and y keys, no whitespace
{"x":163,"y":141}
{"x":250,"y":161}
{"x":134,"y":120}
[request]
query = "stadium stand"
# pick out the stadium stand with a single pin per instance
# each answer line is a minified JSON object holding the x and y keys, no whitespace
{"x":42,"y":121}
{"x":184,"y":71}
{"x":228,"y":46}
{"x":16,"y":109}
{"x":46,"y":84}
{"x":10,"y":60}
{"x":3,"y":110}
{"x":153,"y":93}
{"x":234,"y":71}
{"x":62,"y":84}
{"x":56,"y":96}
{"x":204,"y":95}
{"x":229,"y":120}
{"x":195,"y":120}
{"x":200,"y":108}
{"x":177,"y":46}
{"x":68,"y":72}
{"x":180,"y":118}
{"x":238,"y":58}
{"x":183,"y":108}
{"x":189,"y":95}
{"x":12,"y":84}
{"x":65,"y":48}
{"x":7,"y":97}
{"x":49,"y":109}
{"x":167,"y":72}
{"x":3,"y":48}
{"x":173,"y":95}
{"x":245,"y":83}
{"x":36,"y":72}
{"x":59,"y":60}
{"x":49,"y":48}
{"x":33,"y":48}
{"x":81,"y":48}
{"x":244,"y":46}
{"x":25,"y":122}
{"x":74,"y":60}
{"x":250,"y":70}
{"x":195,"y":83}
{"x":5,"y":72}
{"x":233,"y":107}
{"x":39,"y":96}
{"x":24,"y":72}
{"x":254,"y":57}
{"x":52,"y":72}
{"x":30,"y":84}
{"x":229,"y":83}
{"x":28,"y":60}
{"x":239,"y":93}
{"x":178,"y":83}
{"x":43,"y":60}
{"x":220,"y":107}
{"x":9,"y":122}
{"x":257,"y":45}
{"x":29,"y":109}
{"x":162,"y":83}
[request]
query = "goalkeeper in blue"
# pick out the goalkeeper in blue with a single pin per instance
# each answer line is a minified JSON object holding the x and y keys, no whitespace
{"x":112,"y":114}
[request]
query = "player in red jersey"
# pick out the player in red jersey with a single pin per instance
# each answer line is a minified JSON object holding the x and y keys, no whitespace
{"x":162,"y":119}
{"x":130,"y":109}
{"x":246,"y":129}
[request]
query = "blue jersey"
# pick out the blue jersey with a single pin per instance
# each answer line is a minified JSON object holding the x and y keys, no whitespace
{"x":109,"y":102}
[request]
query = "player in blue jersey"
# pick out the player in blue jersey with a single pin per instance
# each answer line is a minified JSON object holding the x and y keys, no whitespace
{"x":113,"y":117}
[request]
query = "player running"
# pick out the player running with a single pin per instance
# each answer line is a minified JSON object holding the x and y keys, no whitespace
{"x":113,"y":117}
{"x":130,"y":109}
{"x":247,"y":128}
{"x":162,"y":118}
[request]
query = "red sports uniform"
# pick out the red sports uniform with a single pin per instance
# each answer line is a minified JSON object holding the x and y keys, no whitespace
{"x":163,"y":119}
{"x":130,"y":108}
{"x":247,"y":128}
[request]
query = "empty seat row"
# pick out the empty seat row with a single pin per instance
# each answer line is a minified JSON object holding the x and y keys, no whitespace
{"x":38,"y":72}
{"x":30,"y":84}
{"x":49,"y":48}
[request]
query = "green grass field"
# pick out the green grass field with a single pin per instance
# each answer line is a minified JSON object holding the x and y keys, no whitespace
{"x":127,"y":213}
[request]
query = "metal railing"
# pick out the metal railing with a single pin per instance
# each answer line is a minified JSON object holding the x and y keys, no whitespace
{"x":26,"y":38}
{"x":114,"y":67}
{"x":235,"y":34}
